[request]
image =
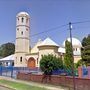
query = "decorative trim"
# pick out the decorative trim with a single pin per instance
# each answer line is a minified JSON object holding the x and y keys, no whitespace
{"x":23,"y":25}
{"x":31,"y":53}
{"x":22,"y":38}
{"x":23,"y":16}
{"x":21,"y":52}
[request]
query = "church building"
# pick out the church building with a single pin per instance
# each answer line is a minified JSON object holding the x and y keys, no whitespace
{"x":26,"y":57}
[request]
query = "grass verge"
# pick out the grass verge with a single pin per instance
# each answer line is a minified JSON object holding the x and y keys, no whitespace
{"x":19,"y":86}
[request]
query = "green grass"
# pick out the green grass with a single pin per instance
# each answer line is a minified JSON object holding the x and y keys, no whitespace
{"x":20,"y":86}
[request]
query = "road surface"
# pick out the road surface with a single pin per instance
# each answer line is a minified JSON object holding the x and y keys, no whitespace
{"x":4,"y":88}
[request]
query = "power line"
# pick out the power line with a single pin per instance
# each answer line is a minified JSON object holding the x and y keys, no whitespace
{"x":81,"y":22}
{"x":55,"y":28}
{"x":52,"y":29}
{"x":59,"y":27}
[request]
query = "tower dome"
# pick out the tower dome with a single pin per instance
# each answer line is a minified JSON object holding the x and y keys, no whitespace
{"x":75,"y":42}
{"x":23,"y":13}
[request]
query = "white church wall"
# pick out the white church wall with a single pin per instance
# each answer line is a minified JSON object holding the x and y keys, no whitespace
{"x":20,"y":60}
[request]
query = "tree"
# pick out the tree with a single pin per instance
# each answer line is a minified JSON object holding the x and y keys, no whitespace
{"x":86,"y":41}
{"x":85,"y":50}
{"x":79,"y":63}
{"x":49,"y":62}
{"x":7,"y":49}
{"x":68,"y":58}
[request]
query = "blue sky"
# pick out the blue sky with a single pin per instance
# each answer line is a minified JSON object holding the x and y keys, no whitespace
{"x":45,"y":15}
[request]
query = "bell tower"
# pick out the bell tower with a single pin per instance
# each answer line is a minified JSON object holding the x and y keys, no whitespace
{"x":22,"y":39}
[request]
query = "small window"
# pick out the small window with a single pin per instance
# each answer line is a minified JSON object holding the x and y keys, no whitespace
{"x":76,"y":49}
{"x":26,"y":29}
{"x":6,"y":63}
{"x":27,"y":20}
{"x":22,"y":19}
{"x":73,"y":49}
{"x":22,"y":33}
{"x":18,"y":19}
{"x":37,"y":60}
{"x":20,"y":59}
{"x":16,"y":61}
{"x":12,"y":63}
{"x":25,"y":60}
{"x":18,"y":29}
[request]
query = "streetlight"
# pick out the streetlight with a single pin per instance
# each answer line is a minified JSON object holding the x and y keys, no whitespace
{"x":70,"y":28}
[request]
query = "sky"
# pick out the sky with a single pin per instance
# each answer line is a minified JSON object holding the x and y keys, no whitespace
{"x":45,"y":15}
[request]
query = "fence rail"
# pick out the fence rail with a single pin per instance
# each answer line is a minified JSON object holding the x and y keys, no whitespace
{"x":12,"y":71}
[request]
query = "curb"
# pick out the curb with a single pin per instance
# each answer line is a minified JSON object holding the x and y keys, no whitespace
{"x":8,"y":87}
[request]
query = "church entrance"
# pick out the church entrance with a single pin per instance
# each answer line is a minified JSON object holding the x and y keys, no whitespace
{"x":31,"y":63}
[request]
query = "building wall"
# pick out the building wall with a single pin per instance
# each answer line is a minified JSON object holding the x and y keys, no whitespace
{"x":18,"y":62}
{"x":22,"y":46}
{"x":77,"y":58}
{"x":48,"y":50}
{"x":35,"y":47}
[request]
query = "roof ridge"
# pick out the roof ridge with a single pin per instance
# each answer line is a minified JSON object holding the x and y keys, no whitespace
{"x":48,"y":41}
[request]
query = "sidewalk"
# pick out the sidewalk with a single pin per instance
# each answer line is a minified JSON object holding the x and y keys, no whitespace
{"x":50,"y":87}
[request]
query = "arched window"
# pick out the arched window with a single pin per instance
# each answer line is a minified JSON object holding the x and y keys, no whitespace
{"x":26,"y":29}
{"x":27,"y":20}
{"x":20,"y":59}
{"x":76,"y":49}
{"x":22,"y":19}
{"x":6,"y":63}
{"x":16,"y":60}
{"x":73,"y":49}
{"x":18,"y":19}
{"x":37,"y":60}
{"x":18,"y":29}
{"x":22,"y":33}
{"x":12,"y":63}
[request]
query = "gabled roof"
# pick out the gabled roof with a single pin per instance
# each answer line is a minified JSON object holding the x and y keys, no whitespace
{"x":48,"y":42}
{"x":11,"y":57}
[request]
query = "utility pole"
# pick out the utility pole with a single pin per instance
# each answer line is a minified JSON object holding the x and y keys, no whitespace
{"x":70,"y":28}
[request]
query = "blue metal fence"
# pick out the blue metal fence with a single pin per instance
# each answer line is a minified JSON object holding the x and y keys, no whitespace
{"x":59,"y":72}
{"x":85,"y":71}
{"x":12,"y":71}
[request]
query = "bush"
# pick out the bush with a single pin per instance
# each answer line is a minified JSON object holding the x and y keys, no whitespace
{"x":49,"y":62}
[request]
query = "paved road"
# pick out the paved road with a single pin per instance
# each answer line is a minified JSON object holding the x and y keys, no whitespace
{"x":3,"y":88}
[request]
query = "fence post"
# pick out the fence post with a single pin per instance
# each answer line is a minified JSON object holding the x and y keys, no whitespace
{"x":1,"y":70}
{"x":12,"y":72}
